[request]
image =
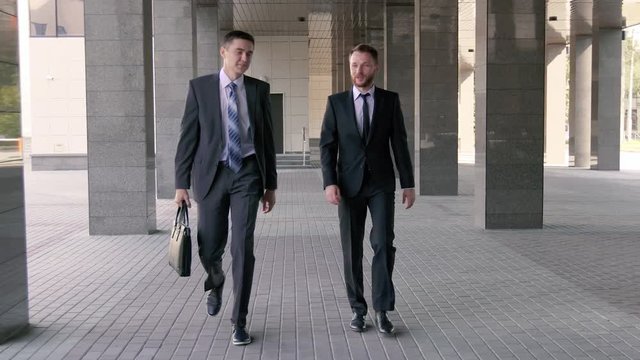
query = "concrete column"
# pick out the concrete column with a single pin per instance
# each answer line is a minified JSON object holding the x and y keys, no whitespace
{"x":208,"y":42}
{"x":556,"y":105}
{"x":607,"y":143}
{"x":595,"y":89}
{"x":438,"y":97}
{"x":399,"y":56}
{"x":582,"y":105}
{"x":375,"y":35}
{"x":120,"y":123}
{"x":348,"y":42}
{"x":510,"y":66}
{"x":572,"y":97}
{"x":334,"y":63}
{"x":14,"y":301}
{"x":417,"y":26}
{"x":358,"y":13}
{"x":174,"y":66}
{"x":337,"y":55}
{"x":342,"y":43}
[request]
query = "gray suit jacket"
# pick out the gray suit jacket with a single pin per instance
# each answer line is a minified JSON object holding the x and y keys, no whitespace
{"x":344,"y":155}
{"x":202,"y":139}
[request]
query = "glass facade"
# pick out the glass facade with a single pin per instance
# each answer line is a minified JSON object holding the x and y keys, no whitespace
{"x":9,"y":91}
{"x":14,"y":304}
{"x":56,"y":18}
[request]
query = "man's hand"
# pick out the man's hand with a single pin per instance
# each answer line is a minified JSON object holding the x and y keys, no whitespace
{"x":408,"y":197}
{"x":332,"y":194}
{"x":268,"y":200}
{"x":182,"y":195}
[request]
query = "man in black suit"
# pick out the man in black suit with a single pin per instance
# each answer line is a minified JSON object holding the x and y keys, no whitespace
{"x":357,"y":170}
{"x":226,"y":150}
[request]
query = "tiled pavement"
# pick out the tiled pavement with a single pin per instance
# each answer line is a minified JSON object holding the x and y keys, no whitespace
{"x":568,"y":291}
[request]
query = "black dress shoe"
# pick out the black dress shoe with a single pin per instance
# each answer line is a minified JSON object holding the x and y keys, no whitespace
{"x":382,"y":322}
{"x":241,"y":336}
{"x":357,"y":323}
{"x":214,"y":301}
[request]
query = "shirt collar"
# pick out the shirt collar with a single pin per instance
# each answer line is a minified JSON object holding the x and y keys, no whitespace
{"x":356,"y":92}
{"x":224,"y":80}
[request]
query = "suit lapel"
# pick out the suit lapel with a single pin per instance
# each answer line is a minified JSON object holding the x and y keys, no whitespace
{"x":351,"y":111}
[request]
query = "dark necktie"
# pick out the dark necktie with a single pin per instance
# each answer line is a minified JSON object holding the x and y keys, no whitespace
{"x":365,"y":117}
{"x":235,"y":144}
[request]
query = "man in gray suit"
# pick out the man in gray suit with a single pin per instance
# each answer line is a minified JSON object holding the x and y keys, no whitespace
{"x":226,"y":151}
{"x":359,"y":126}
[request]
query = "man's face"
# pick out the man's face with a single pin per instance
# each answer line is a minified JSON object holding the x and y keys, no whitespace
{"x":363,"y":69}
{"x":236,"y":57}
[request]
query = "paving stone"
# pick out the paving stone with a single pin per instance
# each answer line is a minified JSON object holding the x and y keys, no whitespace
{"x":567,"y":291}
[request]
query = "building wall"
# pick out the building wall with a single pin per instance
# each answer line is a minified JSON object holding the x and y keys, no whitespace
{"x":319,"y":90}
{"x":58,"y":98}
{"x":283,"y":61}
{"x":58,"y":95}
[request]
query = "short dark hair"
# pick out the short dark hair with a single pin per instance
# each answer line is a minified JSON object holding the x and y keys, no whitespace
{"x":366,"y":49}
{"x":237,"y":34}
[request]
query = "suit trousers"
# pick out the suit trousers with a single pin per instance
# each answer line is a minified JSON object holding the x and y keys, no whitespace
{"x":352,"y":213}
{"x":238,"y":194}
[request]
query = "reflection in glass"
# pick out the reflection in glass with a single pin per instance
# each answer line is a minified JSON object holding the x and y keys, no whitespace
{"x":10,"y":142}
{"x":43,"y":17}
{"x":70,"y":18}
{"x":57,"y":18}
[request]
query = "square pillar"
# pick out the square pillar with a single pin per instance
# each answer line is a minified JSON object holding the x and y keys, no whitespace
{"x":174,"y":67}
{"x":342,"y":42}
{"x":510,"y":68}
{"x":607,"y":142}
{"x":120,"y":122}
{"x":375,"y":35}
{"x":399,"y":55}
{"x":438,"y":97}
{"x":207,"y":39}
{"x":582,"y":97}
{"x":14,"y":300}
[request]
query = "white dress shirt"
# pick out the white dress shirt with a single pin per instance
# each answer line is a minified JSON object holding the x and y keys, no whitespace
{"x":358,"y":102}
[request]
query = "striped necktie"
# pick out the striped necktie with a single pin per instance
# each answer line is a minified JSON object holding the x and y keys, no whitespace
{"x":235,"y":144}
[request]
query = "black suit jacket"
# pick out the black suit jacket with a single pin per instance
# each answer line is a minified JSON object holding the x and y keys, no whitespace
{"x":202,"y":138}
{"x":344,"y":154}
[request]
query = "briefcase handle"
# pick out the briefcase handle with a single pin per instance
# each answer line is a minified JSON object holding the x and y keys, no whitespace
{"x":182,"y":215}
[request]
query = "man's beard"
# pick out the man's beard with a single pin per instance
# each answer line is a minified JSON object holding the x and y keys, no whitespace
{"x":365,"y":84}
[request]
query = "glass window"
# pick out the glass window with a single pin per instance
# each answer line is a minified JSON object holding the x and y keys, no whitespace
{"x":43,"y":17}
{"x":9,"y":101}
{"x":70,"y":18}
{"x":9,"y":36}
{"x":9,"y":112}
{"x":10,"y":142}
{"x":9,"y":97}
{"x":57,"y":18}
